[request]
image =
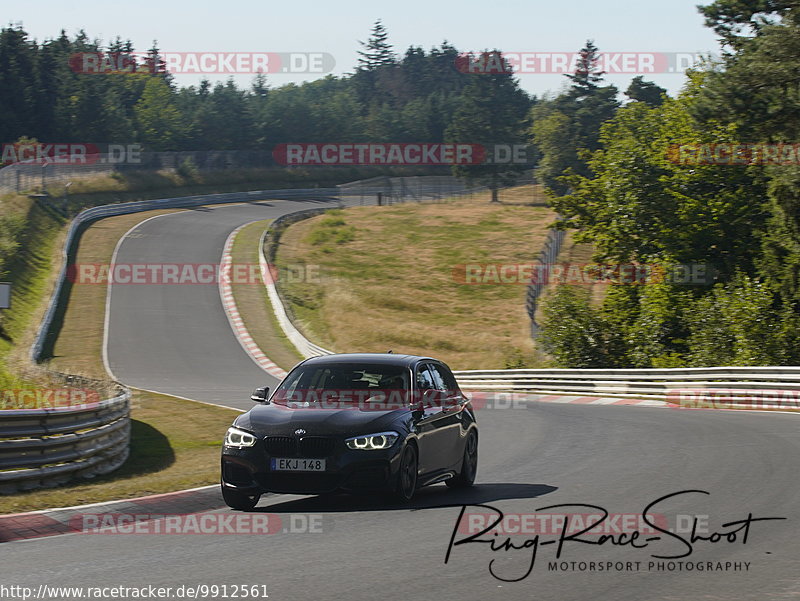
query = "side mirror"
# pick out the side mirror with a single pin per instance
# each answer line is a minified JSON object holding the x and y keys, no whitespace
{"x":260,"y":395}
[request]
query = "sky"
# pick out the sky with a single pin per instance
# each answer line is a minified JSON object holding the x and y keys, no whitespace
{"x":539,"y":30}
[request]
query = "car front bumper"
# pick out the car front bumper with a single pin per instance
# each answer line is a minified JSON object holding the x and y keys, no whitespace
{"x":248,"y":471}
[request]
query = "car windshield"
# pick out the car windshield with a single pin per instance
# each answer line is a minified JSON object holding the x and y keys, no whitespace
{"x":345,"y":383}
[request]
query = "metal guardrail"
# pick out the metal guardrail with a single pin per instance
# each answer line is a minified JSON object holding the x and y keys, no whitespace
{"x":341,"y":193}
{"x":772,"y":385}
{"x":47,"y":447}
{"x":365,"y":191}
{"x":268,"y":247}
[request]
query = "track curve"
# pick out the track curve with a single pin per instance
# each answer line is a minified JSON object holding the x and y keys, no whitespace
{"x":176,"y":339}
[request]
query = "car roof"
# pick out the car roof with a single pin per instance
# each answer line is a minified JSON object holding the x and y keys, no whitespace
{"x":368,"y":358}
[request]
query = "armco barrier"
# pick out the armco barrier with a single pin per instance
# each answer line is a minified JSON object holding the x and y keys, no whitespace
{"x":268,"y":247}
{"x":47,"y":447}
{"x":734,"y":384}
{"x":738,"y":384}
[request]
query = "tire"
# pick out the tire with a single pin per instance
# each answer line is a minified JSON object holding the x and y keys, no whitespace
{"x":237,"y":500}
{"x":469,"y":465}
{"x":407,"y":478}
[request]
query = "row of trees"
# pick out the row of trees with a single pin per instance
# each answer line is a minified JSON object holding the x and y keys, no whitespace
{"x":635,"y":203}
{"x":389,"y":98}
{"x":419,"y":96}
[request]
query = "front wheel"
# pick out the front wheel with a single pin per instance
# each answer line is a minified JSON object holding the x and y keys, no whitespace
{"x":407,"y":478}
{"x":469,"y":465}
{"x":238,"y":500}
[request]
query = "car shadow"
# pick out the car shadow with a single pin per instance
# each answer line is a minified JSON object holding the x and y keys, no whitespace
{"x":430,"y":497}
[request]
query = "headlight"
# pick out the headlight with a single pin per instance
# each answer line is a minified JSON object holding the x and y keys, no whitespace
{"x":372,"y":442}
{"x":235,"y":437}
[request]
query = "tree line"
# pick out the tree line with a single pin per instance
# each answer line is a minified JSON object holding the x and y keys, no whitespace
{"x":419,"y":96}
{"x":388,"y":98}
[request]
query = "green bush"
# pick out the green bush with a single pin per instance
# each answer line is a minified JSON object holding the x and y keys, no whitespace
{"x":737,"y":324}
{"x":662,"y":325}
{"x":188,"y":169}
{"x":332,"y":221}
{"x":657,"y":337}
{"x":344,"y":235}
{"x":574,"y":333}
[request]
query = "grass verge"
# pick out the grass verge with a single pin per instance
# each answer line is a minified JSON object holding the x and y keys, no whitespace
{"x":30,"y":264}
{"x":389,"y":279}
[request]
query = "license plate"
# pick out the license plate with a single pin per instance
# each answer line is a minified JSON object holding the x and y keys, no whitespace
{"x":280,"y":464}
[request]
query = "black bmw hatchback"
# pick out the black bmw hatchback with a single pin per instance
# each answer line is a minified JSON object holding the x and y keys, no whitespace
{"x":352,"y":423}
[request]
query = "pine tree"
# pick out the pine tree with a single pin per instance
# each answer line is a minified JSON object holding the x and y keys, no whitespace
{"x":154,"y":64}
{"x":570,"y":124}
{"x":161,"y":124}
{"x":17,"y":84}
{"x":377,"y":50}
{"x":259,"y":87}
{"x":586,"y":77}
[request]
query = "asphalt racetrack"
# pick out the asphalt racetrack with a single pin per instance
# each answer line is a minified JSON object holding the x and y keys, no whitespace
{"x":177,"y":340}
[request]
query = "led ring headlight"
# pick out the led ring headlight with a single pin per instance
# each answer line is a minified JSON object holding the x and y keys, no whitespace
{"x":235,"y":437}
{"x":372,"y":442}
